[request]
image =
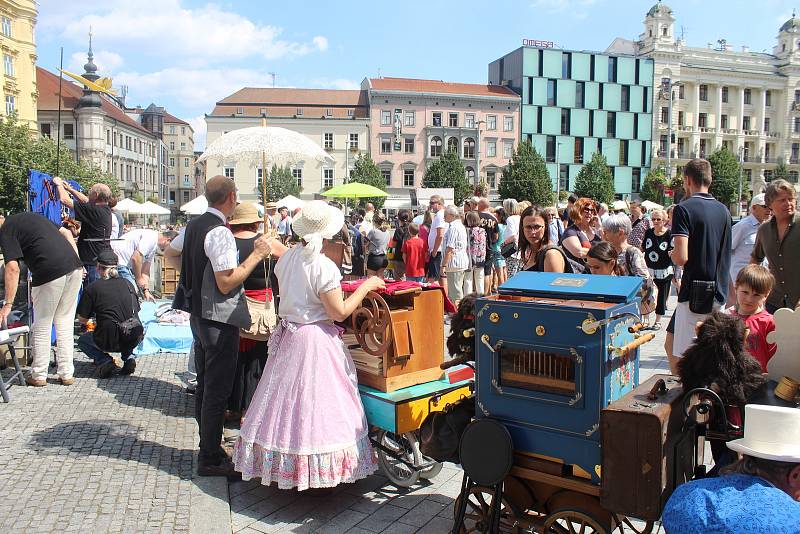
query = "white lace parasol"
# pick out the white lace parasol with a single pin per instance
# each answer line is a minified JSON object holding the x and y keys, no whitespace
{"x":276,"y":146}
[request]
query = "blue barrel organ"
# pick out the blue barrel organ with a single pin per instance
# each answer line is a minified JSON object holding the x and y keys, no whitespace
{"x":553,"y":350}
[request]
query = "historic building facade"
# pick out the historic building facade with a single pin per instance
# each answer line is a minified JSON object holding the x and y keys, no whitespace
{"x":179,"y":137}
{"x":337,"y":120}
{"x":747,"y":101}
{"x":577,"y":103}
{"x":17,"y":25}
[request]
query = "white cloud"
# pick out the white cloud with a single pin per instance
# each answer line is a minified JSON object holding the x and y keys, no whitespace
{"x":199,"y":127}
{"x":106,"y":61}
{"x":335,"y":83}
{"x":577,"y":8}
{"x":204,"y":35}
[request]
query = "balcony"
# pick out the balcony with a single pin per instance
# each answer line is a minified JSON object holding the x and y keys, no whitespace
{"x":794,"y":160}
{"x":771,"y":159}
{"x":706,"y":130}
{"x":685,"y":129}
{"x":752,"y":133}
{"x":774,"y":135}
{"x":751,"y":159}
{"x":730,"y":131}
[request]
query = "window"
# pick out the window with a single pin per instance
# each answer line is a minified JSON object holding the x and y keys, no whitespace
{"x":591,"y":122}
{"x":229,"y":172}
{"x":353,"y":141}
{"x":9,"y":65}
{"x":723,"y":121}
{"x":171,"y":162}
{"x":6,"y":26}
{"x":563,"y":177}
{"x":69,"y":128}
{"x":565,"y":119}
{"x":795,"y":153}
{"x":636,"y":180}
{"x":566,"y":65}
{"x":664,"y":115}
{"x":681,"y":92}
{"x":611,"y":124}
{"x":172,"y":130}
{"x":185,"y":197}
{"x":386,"y":145}
{"x":470,"y":172}
{"x":297,"y":174}
{"x":797,"y":96}
{"x":437,"y":118}
{"x":452,"y":120}
{"x":681,"y":148}
{"x":469,"y":148}
{"x":436,"y":147}
{"x":171,"y":145}
{"x":551,"y":92}
{"x":108,"y":137}
{"x":703,"y":92}
{"x":746,"y":122}
{"x":408,"y":177}
{"x":299,"y":111}
{"x":796,"y":125}
{"x":408,"y":145}
{"x":410,"y":118}
{"x":793,"y":176}
{"x":580,"y":94}
{"x":725,"y":95}
{"x":612,"y":69}
{"x":329,"y":112}
{"x":386,"y":117}
{"x":327,"y":178}
{"x":44,"y":128}
{"x":662,"y":146}
{"x":577,"y":154}
{"x":185,"y":162}
{"x":508,"y":149}
{"x":703,"y":145}
{"x":600,"y":96}
{"x":508,"y":123}
{"x":491,"y":179}
{"x":491,"y":149}
{"x":183,"y":146}
{"x":550,"y":154}
{"x":766,"y":125}
{"x":186,"y":180}
{"x":350,"y":113}
{"x":469,"y":120}
{"x":623,"y":152}
{"x":702,"y":119}
{"x":768,"y":98}
{"x":387,"y":176}
{"x":491,"y":122}
{"x":452,"y":145}
{"x":328,"y":140}
{"x":748,"y":96}
{"x":680,"y":118}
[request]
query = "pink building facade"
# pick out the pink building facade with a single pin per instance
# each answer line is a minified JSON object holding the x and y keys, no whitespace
{"x":413,"y":122}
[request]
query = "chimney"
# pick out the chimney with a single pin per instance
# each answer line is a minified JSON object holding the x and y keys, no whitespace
{"x":745,"y":48}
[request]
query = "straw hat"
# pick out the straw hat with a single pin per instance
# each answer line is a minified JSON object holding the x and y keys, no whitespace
{"x":270,"y":206}
{"x":770,"y":432}
{"x":318,"y":218}
{"x":245,"y":213}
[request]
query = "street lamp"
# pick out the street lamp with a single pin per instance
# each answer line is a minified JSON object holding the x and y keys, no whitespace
{"x":478,"y":153}
{"x":742,"y":151}
{"x":666,"y":94}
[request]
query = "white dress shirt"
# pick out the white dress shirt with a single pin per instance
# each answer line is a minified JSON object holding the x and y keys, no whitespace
{"x":220,"y":246}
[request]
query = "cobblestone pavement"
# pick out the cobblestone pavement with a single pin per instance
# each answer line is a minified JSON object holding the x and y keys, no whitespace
{"x":117,"y":455}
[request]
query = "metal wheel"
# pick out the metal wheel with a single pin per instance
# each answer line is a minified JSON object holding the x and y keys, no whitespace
{"x":625,"y":525}
{"x":479,"y":505}
{"x":405,"y":446}
{"x":573,"y":522}
{"x":372,"y":324}
{"x":432,"y":471}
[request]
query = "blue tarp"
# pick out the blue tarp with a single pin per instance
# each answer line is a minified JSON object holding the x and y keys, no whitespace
{"x":162,"y":337}
{"x":44,"y":195}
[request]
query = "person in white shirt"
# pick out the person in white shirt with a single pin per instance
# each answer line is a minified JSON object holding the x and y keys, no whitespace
{"x":456,"y":259}
{"x":136,"y":250}
{"x":436,"y":240}
{"x":743,"y":239}
{"x":285,"y":224}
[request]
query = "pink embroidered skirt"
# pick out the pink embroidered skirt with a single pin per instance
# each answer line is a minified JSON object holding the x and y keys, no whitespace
{"x":305,"y":426}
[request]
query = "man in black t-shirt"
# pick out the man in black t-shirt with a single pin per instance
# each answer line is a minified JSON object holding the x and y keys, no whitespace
{"x":56,"y":279}
{"x":701,"y":231}
{"x":111,"y":301}
{"x":95,"y":216}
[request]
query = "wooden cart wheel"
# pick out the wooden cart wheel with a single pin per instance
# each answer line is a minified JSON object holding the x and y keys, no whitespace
{"x":625,"y":525}
{"x":479,"y":505}
{"x":573,"y":522}
{"x":372,"y":325}
{"x":405,"y":446}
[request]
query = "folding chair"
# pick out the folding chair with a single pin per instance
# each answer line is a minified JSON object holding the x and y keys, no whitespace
{"x":8,"y":337}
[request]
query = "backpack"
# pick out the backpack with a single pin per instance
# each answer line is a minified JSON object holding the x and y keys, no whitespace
{"x":477,"y":246}
{"x":568,"y":263}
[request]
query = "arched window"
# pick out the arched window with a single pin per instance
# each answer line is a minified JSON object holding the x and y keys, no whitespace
{"x":452,"y":145}
{"x":469,"y":148}
{"x":436,"y":147}
{"x":470,"y":175}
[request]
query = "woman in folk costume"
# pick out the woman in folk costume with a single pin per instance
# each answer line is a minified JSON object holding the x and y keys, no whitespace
{"x":305,"y":427}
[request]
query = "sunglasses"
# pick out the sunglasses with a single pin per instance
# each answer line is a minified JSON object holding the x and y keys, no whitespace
{"x":657,"y":219}
{"x":589,"y":210}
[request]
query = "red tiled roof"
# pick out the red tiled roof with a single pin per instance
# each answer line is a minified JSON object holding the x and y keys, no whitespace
{"x":414,"y":85}
{"x":293,"y":97}
{"x":47,"y":85}
{"x":172,"y":119}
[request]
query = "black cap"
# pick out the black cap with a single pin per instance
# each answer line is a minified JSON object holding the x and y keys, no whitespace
{"x":108,"y":258}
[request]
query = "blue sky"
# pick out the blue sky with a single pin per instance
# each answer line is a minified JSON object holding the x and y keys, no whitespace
{"x":187,"y":54}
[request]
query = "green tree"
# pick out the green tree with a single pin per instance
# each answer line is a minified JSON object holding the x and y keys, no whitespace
{"x":280,"y":183}
{"x":21,"y":149}
{"x":725,"y":176}
{"x":655,"y":185}
{"x":781,"y":171}
{"x":448,"y":171}
{"x":595,"y":180}
{"x":526,"y":177}
{"x":366,"y":172}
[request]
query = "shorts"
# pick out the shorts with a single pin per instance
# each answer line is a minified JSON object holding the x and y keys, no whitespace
{"x":376,"y":262}
{"x":491,"y":259}
{"x":684,"y":327}
{"x":435,"y":266}
{"x":499,"y":261}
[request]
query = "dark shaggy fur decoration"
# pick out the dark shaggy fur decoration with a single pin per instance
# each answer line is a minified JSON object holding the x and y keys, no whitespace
{"x":461,"y":341}
{"x":718,"y":357}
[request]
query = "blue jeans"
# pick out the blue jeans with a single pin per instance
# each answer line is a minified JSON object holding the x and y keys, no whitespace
{"x":126,"y":273}
{"x":91,"y":274}
{"x":419,"y":279}
{"x":88,"y":347}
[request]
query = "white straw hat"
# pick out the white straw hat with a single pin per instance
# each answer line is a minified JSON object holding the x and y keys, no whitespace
{"x":770,"y":432}
{"x":317,"y":217}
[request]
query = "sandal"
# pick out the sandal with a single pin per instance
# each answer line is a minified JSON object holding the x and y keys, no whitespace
{"x":656,"y":326}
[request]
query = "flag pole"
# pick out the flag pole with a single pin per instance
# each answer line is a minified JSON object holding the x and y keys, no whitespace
{"x":58,"y":134}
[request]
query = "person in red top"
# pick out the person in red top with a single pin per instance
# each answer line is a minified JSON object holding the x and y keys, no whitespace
{"x":753,"y":285}
{"x":414,"y":252}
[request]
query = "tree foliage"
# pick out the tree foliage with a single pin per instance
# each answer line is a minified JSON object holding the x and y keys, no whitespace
{"x":280,"y":183}
{"x":781,"y":171}
{"x":366,"y":172}
{"x":448,"y":171}
{"x":595,"y":180}
{"x":725,"y":174}
{"x":655,"y":186}
{"x":22,"y":149}
{"x":526,"y":177}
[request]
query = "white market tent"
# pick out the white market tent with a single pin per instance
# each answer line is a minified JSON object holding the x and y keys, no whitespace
{"x":197,"y":206}
{"x":128,"y":205}
{"x":150,"y":208}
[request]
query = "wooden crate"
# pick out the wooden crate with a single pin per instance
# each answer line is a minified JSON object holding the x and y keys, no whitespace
{"x":169,"y":274}
{"x":168,"y":287}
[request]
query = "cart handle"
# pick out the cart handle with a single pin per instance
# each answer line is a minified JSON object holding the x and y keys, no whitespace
{"x":659,"y":388}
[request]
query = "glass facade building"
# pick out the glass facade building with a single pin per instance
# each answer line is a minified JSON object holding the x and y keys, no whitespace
{"x":577,"y":103}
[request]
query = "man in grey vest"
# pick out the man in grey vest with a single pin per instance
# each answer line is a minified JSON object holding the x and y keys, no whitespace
{"x":210,"y":289}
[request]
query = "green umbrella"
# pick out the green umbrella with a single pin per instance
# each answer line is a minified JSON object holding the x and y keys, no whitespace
{"x":354,"y":190}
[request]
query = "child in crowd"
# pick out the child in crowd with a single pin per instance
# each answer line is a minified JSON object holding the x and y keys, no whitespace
{"x":753,"y":285}
{"x":414,"y":251}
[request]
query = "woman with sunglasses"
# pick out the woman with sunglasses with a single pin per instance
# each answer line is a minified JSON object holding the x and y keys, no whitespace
{"x":579,"y":236}
{"x":657,"y":242}
{"x":536,"y":251}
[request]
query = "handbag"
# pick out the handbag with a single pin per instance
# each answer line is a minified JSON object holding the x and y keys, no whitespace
{"x":509,"y":249}
{"x":131,"y":330}
{"x":702,"y":293}
{"x":262,"y":317}
{"x":440,"y":433}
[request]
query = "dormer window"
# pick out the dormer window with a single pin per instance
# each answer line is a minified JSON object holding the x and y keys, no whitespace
{"x":665,"y":32}
{"x":783,"y":47}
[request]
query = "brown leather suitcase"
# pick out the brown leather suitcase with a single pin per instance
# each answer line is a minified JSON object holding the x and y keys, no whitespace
{"x":647,"y":452}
